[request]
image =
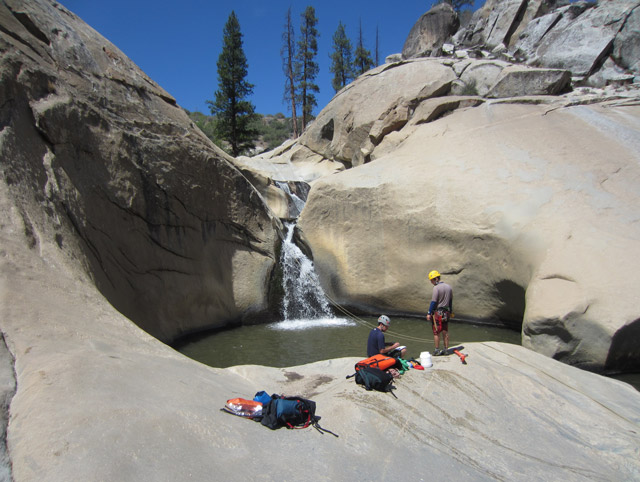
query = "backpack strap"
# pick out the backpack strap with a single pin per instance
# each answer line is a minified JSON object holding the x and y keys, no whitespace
{"x":317,"y":426}
{"x":303,"y":425}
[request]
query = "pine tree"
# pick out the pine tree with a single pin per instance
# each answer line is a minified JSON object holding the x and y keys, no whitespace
{"x":233,"y":112}
{"x":362,"y":61}
{"x":288,"y":53}
{"x":341,"y":59}
{"x":306,"y":67}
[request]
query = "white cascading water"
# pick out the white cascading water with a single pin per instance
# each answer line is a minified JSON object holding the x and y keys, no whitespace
{"x":297,"y":202}
{"x":304,"y":304}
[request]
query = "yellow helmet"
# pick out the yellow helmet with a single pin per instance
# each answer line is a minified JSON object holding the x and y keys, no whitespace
{"x":433,"y":274}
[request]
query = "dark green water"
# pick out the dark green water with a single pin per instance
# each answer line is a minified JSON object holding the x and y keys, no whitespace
{"x":632,"y":379}
{"x":285,"y":344}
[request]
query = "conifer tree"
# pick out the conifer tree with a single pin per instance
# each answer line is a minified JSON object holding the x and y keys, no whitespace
{"x":233,"y":112}
{"x":362,"y":59}
{"x":306,"y":66}
{"x":341,"y":59}
{"x":458,"y":4}
{"x":288,"y":53}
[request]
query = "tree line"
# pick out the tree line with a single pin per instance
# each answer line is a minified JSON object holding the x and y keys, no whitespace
{"x":234,"y":126}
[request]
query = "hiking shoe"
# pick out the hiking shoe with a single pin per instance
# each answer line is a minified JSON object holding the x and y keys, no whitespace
{"x":445,"y":351}
{"x":437,"y":352}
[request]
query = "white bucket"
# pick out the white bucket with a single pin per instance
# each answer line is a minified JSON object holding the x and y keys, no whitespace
{"x":425,"y":359}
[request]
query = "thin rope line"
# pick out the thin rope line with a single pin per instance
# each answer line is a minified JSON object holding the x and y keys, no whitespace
{"x":344,"y":311}
{"x":360,"y":321}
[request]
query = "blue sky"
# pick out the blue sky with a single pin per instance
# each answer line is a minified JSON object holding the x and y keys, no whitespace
{"x":178,"y":43}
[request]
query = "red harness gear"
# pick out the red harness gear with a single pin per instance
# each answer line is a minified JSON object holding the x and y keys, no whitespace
{"x":440,"y":321}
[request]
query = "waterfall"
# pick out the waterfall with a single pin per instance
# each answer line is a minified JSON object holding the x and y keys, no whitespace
{"x":303,"y":295}
{"x":304,"y":303}
{"x":296,"y":202}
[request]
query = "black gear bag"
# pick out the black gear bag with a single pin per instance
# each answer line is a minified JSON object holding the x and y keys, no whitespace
{"x":374,"y":379}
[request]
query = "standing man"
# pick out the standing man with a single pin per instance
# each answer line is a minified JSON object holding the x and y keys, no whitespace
{"x":440,"y":311}
{"x":376,"y":344}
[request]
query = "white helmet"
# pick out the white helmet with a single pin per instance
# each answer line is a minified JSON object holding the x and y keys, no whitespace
{"x":384,"y":319}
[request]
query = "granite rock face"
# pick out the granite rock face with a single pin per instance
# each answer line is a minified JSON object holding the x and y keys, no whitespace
{"x":343,"y":136}
{"x":520,"y":202}
{"x":580,"y":37}
{"x":431,"y":31}
{"x":100,"y":159}
{"x":585,"y":41}
{"x":105,"y":184}
{"x":99,"y":399}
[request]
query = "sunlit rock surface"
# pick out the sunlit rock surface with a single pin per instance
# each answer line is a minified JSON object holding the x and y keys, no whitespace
{"x":99,"y":399}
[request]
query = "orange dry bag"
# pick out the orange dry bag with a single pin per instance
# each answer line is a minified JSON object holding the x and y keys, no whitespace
{"x":243,"y":407}
{"x":382,"y":362}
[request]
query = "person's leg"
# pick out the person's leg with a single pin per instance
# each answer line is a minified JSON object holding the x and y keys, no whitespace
{"x":437,"y":328}
{"x":445,"y":331}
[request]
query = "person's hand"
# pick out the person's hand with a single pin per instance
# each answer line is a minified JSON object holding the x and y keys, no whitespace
{"x":428,"y":317}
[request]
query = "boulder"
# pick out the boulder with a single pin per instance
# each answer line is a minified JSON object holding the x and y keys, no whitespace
{"x":290,"y":162}
{"x":515,"y":206}
{"x":526,"y":43}
{"x":626,"y":46}
{"x":546,"y":27}
{"x":506,"y":22}
{"x":393,"y":58}
{"x":583,"y":43}
{"x":431,"y":31}
{"x":498,"y":22}
{"x":392,"y":120}
{"x":343,"y":137}
{"x":103,"y":161}
{"x":339,"y":132}
{"x":530,"y":11}
{"x":502,"y":19}
{"x":517,"y":81}
{"x":431,"y":110}
{"x":480,"y":76}
{"x":576,"y":36}
{"x":609,"y":74}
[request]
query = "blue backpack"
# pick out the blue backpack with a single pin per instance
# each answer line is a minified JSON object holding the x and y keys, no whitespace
{"x":290,"y":412}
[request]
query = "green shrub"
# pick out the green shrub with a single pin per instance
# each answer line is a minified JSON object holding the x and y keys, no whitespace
{"x":470,"y":88}
{"x":272,"y":130}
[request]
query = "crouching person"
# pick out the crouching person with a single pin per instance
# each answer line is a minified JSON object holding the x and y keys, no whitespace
{"x":376,"y":343}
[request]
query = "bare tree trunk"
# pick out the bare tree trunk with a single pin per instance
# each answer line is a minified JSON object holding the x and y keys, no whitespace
{"x":288,"y":52}
{"x":377,"y":48}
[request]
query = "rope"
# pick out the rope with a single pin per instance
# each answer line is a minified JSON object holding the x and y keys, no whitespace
{"x":345,"y":312}
{"x":349,"y":315}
